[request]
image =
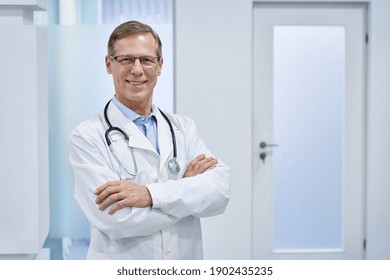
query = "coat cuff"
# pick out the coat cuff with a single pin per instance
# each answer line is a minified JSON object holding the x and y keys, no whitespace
{"x":158,"y":195}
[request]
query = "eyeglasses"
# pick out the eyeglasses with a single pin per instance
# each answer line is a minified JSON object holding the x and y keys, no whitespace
{"x":146,"y":61}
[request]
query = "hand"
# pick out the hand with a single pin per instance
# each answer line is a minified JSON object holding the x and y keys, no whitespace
{"x":122,"y":194}
{"x":199,"y":165}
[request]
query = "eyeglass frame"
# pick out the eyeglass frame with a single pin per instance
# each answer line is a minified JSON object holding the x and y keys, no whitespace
{"x":111,"y":57}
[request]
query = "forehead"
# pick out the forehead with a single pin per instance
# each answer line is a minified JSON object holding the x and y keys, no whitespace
{"x":136,"y":44}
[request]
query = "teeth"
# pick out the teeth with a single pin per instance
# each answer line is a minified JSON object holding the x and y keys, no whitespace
{"x":136,"y":83}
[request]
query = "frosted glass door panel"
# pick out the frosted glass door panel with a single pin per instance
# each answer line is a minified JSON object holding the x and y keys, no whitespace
{"x":308,"y":106}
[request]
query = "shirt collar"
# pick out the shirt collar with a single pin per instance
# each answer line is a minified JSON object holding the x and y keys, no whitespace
{"x":130,"y":114}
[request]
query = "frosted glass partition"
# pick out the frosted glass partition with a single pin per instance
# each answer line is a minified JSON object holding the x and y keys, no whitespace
{"x":309,"y":80}
{"x":79,"y":88}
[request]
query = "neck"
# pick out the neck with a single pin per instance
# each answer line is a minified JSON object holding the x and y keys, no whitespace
{"x":141,"y":108}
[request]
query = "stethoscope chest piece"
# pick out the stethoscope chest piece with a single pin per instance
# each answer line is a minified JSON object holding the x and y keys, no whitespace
{"x":173,"y":165}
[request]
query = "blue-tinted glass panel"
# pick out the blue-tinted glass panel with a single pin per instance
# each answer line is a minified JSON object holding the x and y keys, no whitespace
{"x":309,"y":89}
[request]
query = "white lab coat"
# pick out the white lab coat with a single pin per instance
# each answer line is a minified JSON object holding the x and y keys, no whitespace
{"x":170,"y":229}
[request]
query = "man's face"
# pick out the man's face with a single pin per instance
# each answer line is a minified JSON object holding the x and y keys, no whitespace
{"x":134,"y":84}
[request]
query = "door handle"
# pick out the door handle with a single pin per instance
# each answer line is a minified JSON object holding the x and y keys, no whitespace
{"x":264,"y":145}
{"x":263,"y":156}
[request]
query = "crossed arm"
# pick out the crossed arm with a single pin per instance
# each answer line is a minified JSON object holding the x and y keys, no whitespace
{"x":120,"y":194}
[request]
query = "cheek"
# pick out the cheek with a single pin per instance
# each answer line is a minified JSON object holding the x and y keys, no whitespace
{"x":154,"y":76}
{"x":153,"y":81}
{"x":118,"y":77}
{"x":159,"y":71}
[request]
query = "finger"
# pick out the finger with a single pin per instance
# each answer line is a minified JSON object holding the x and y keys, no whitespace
{"x":204,"y":166}
{"x":113,"y":198}
{"x":106,"y":185}
{"x":139,"y":197}
{"x":199,"y":166}
{"x":208,"y":165}
{"x":117,"y":206}
{"x":109,"y":190}
{"x":195,"y":161}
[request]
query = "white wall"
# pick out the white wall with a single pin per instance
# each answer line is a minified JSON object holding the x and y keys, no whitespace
{"x":24,"y":209}
{"x":378,"y":140}
{"x":213,"y":86}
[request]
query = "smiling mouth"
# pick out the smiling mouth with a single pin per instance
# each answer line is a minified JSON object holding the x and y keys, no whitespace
{"x":135,"y":83}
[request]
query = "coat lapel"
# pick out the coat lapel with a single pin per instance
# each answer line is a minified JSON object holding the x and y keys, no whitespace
{"x":136,"y":138}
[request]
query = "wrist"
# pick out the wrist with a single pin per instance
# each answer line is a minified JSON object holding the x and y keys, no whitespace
{"x":149,"y":199}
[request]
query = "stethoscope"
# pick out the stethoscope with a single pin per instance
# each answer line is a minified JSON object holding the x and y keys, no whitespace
{"x":173,"y":165}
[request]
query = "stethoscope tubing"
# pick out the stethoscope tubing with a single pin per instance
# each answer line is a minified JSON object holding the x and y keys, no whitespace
{"x":174,"y":166}
{"x":172,"y":133}
{"x":112,"y":128}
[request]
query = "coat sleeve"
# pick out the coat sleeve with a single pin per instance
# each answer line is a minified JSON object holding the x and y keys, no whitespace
{"x":203,"y":195}
{"x":91,"y":169}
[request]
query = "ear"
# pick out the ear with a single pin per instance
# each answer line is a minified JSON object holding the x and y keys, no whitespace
{"x":108,"y":64}
{"x":160,"y":67}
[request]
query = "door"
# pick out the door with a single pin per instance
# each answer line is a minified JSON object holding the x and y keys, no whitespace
{"x":309,"y":123}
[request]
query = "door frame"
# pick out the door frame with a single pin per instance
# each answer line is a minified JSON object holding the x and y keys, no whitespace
{"x":313,"y":254}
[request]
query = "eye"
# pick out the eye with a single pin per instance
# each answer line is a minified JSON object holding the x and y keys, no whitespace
{"x":148,"y":60}
{"x":125,"y":60}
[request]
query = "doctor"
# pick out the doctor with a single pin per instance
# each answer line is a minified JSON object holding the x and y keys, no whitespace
{"x":143,"y":178}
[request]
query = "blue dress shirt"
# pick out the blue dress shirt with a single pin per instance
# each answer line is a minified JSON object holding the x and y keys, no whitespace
{"x":148,"y":125}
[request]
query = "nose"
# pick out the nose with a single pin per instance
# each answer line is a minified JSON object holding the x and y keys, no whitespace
{"x":137,"y":68}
